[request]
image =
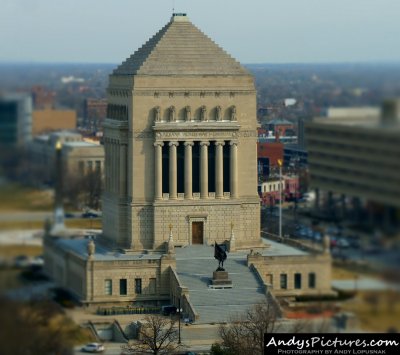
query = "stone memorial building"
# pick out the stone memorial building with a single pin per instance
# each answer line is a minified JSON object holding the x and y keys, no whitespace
{"x":180,"y":145}
{"x":180,"y":170}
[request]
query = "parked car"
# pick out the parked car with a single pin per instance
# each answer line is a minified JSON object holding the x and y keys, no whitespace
{"x":168,"y":310}
{"x":21,"y":261}
{"x":89,"y":215}
{"x":343,"y":243}
{"x":333,"y":241}
{"x":93,"y":348}
{"x":317,"y":236}
{"x":37,"y":261}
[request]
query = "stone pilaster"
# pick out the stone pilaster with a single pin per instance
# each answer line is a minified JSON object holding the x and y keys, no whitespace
{"x":122,"y":171}
{"x":188,"y":170}
{"x":233,"y":168}
{"x":173,"y":181}
{"x":158,"y":170}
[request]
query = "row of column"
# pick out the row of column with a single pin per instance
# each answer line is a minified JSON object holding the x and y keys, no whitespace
{"x":188,"y":176}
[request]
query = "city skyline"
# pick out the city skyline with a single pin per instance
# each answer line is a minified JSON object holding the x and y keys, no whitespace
{"x":304,"y":31}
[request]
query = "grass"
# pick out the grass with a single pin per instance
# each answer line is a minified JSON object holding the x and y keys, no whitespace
{"x":343,"y":274}
{"x":376,"y":311}
{"x":14,"y":197}
{"x":11,"y":251}
{"x":83,"y":223}
{"x":10,"y":279}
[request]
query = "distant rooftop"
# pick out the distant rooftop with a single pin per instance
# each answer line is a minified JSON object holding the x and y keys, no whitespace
{"x":79,"y":247}
{"x":78,"y":144}
{"x":279,"y":121}
{"x":353,"y":112}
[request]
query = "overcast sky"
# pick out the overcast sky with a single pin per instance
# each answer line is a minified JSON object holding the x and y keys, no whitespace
{"x":253,"y":31}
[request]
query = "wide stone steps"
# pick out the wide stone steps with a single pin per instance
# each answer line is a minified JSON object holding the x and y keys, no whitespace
{"x":195,"y":266}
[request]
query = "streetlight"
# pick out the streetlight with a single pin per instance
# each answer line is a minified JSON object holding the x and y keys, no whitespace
{"x":280,"y":198}
{"x":179,"y":310}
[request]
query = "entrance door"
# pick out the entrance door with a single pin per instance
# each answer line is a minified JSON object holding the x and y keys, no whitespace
{"x":197,"y":232}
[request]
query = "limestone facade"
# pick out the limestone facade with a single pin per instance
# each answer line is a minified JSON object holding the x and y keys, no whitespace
{"x":180,"y":146}
{"x":295,"y":274}
{"x":107,"y":281}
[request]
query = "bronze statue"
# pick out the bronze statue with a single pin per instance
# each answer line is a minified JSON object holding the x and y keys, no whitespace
{"x":220,"y":255}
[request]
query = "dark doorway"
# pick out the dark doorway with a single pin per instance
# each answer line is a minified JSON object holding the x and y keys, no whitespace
{"x":197,"y":232}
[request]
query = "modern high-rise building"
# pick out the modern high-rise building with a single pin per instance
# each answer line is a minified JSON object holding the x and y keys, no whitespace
{"x":15,"y":119}
{"x":357,"y":155}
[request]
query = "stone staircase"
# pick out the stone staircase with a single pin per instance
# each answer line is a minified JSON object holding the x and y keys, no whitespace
{"x":195,"y":265}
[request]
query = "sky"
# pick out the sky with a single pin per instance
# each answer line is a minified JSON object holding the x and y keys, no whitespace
{"x":252,"y":31}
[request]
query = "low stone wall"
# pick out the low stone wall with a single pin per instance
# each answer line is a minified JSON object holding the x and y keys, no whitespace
{"x":313,"y":273}
{"x":180,"y":292}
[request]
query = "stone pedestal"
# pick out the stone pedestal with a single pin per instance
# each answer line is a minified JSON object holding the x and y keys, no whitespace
{"x":221,"y":280}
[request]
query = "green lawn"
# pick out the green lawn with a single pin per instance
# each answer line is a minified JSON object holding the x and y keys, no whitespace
{"x":81,"y":223}
{"x":14,"y":197}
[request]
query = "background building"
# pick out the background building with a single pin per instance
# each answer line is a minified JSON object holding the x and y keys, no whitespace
{"x":15,"y":120}
{"x":94,"y":113}
{"x":358,"y":157}
{"x":49,"y":120}
{"x":43,"y":98}
{"x":268,"y":154}
{"x":78,"y":157}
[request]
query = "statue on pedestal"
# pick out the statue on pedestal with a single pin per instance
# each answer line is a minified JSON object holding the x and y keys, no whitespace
{"x":220,"y":255}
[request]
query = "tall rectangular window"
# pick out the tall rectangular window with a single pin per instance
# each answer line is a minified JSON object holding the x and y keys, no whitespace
{"x":311,"y":280}
{"x":138,"y":286}
{"x":283,"y":282}
{"x":297,"y":281}
{"x":123,"y":290}
{"x":269,"y":279}
{"x":108,"y":287}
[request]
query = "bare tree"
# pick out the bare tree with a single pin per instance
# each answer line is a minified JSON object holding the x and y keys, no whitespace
{"x":245,"y":335}
{"x":319,"y":325}
{"x":84,"y":190}
{"x":158,"y":335}
{"x":36,"y":327}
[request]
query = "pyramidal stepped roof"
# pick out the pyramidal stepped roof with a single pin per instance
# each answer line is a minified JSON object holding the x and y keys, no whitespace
{"x":180,"y":48}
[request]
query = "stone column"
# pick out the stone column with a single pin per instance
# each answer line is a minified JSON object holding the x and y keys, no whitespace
{"x":204,"y":169}
{"x":122,"y":171}
{"x":173,"y":181}
{"x":116,"y":167}
{"x":219,"y":169}
{"x":233,"y":168}
{"x":188,"y":170}
{"x":158,"y":170}
{"x":113,"y":160}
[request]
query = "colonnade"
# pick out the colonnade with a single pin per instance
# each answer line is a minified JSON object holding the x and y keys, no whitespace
{"x":188,"y":171}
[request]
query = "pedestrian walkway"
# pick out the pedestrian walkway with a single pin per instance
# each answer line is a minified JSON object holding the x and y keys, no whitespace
{"x":195,"y":266}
